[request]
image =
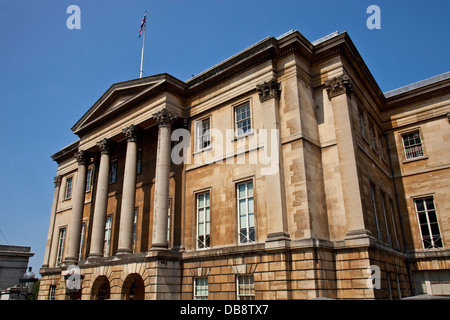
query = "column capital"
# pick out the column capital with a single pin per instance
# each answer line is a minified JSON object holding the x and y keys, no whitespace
{"x":82,"y":157}
{"x":268,"y":90}
{"x":105,"y":146}
{"x":164,"y":117}
{"x":57,"y":181}
{"x":338,"y":85}
{"x":132,"y":133}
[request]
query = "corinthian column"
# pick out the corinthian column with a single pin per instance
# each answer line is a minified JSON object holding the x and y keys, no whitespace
{"x":128,"y":193}
{"x":101,"y":200}
{"x":161,"y":206}
{"x":76,"y":216}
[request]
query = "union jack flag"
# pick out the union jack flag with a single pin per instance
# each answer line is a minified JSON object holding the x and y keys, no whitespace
{"x":143,"y":23}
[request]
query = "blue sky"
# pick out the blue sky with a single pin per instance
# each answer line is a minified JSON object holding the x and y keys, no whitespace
{"x":51,"y":75}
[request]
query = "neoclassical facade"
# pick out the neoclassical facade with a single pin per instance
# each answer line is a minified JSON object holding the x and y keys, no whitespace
{"x":282,"y":172}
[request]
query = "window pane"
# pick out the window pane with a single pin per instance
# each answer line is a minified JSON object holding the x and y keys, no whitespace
{"x":429,"y":203}
{"x":207,"y":199}
{"x":242,"y":207}
{"x":201,"y":200}
{"x":243,"y":221}
{"x":419,"y":205}
{"x":251,"y":220}
{"x":250,"y":206}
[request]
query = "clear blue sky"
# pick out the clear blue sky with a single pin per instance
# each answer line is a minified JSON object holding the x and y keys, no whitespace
{"x":50,"y":75}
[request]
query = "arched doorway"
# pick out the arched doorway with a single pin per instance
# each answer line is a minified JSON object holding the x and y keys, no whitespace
{"x":133,"y":287}
{"x":101,"y":289}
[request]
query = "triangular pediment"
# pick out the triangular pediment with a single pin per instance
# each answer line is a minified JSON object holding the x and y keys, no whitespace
{"x":119,"y":98}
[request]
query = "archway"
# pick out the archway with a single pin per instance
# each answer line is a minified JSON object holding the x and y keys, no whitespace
{"x":133,"y":287}
{"x":101,"y":289}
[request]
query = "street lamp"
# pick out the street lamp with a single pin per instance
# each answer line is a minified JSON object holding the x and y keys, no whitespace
{"x":27,"y":283}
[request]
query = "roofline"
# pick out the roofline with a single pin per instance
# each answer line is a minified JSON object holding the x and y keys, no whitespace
{"x":417,"y":85}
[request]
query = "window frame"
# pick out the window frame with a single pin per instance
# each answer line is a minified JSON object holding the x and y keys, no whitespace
{"x":249,"y":228}
{"x":89,"y":179}
{"x":207,"y":221}
{"x":113,"y":168}
{"x":243,"y":295}
{"x":202,"y":286}
{"x":61,"y":245}
{"x":199,"y":136}
{"x":236,"y":122}
{"x":107,"y":237}
{"x":426,"y":210}
{"x":421,"y":145}
{"x":68,"y":190}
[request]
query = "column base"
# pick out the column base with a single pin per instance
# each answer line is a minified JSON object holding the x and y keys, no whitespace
{"x":70,"y":261}
{"x":159,"y":246}
{"x":94,"y":256}
{"x":124,"y":252}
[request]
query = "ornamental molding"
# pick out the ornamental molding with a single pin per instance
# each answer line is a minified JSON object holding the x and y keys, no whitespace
{"x":164,"y":117}
{"x":268,"y":90}
{"x":132,"y":133}
{"x":105,"y":146}
{"x":338,"y":85}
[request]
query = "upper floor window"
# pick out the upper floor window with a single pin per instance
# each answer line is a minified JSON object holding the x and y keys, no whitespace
{"x":203,"y":133}
{"x":428,"y":223}
{"x":246,"y":213}
{"x":412,"y":145}
{"x":88,"y":180}
{"x":61,"y":241}
{"x":139,"y":162}
{"x":113,"y":171}
{"x":107,"y":240}
{"x":243,"y":120}
{"x":203,"y":220}
{"x":68,"y":191}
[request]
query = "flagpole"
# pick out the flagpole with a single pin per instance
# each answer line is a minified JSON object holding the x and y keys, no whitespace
{"x":143,"y":45}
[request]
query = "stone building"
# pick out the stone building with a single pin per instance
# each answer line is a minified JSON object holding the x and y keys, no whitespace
{"x":282,"y":172}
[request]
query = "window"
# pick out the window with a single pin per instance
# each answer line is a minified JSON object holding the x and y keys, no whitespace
{"x":107,"y":241}
{"x":88,"y":180}
{"x":391,"y":209}
{"x":139,"y":162}
{"x":372,"y":136}
{"x":203,"y":134}
{"x":362,"y":125}
{"x":245,"y":287}
{"x":246,"y":212}
{"x":374,"y":210}
{"x":428,"y":223}
{"x":168,"y":222}
{"x":80,"y":254}
{"x":113,"y":171}
{"x":134,"y":228}
{"x":203,"y":220}
{"x":383,"y":208}
{"x":412,"y":145}
{"x":68,"y":192}
{"x":52,"y":292}
{"x":60,"y":251}
{"x":201,"y":288}
{"x":243,"y":120}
